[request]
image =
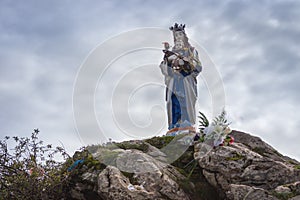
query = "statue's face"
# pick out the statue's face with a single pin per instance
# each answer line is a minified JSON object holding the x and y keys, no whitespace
{"x":179,"y":35}
{"x":179,"y":44}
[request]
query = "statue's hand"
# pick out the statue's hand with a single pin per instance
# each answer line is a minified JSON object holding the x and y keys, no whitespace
{"x":175,"y":64}
{"x":181,"y":62}
{"x":186,"y":59}
{"x":172,"y":57}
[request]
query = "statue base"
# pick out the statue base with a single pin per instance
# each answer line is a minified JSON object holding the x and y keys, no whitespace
{"x":181,"y":130}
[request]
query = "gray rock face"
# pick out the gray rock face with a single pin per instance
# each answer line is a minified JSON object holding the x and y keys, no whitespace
{"x":112,"y":184}
{"x":136,"y":175}
{"x":249,"y":169}
{"x":156,"y":153}
{"x":237,"y":169}
{"x":135,"y":161}
{"x":151,"y":179}
{"x":257,"y":145}
{"x":238,"y":192}
{"x":295,"y":198}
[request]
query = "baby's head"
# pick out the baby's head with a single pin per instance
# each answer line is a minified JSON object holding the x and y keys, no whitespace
{"x":179,"y":44}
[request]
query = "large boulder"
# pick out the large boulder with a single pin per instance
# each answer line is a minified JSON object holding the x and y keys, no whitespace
{"x":238,"y":192}
{"x":112,"y":184}
{"x":147,"y":178}
{"x":141,"y":173}
{"x":247,"y":165}
{"x":257,"y":145}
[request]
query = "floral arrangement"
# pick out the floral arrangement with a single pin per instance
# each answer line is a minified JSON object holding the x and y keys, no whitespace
{"x":217,"y":132}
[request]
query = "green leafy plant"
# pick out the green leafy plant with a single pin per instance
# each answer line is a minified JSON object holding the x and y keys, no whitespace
{"x":297,"y":167}
{"x":203,"y":121}
{"x":221,"y":119}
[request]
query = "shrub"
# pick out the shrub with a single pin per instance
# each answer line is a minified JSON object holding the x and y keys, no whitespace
{"x":29,"y":170}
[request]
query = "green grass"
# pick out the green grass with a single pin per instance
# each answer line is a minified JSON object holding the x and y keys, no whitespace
{"x":236,"y":157}
{"x":259,"y":150}
{"x":140,"y":145}
{"x":284,"y":196}
{"x":297,"y":167}
{"x":160,"y":142}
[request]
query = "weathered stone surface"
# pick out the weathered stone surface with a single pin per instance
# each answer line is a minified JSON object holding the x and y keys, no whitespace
{"x":248,"y":169}
{"x":156,"y":153}
{"x":112,"y":184}
{"x":282,"y":189}
{"x":238,"y":192}
{"x":135,"y":161}
{"x":239,"y":164}
{"x":152,"y":179}
{"x":295,"y":187}
{"x":258,"y":145}
{"x":295,"y":198}
{"x":77,"y":193}
{"x":289,"y":190}
{"x":90,"y":176}
{"x":83,"y":191}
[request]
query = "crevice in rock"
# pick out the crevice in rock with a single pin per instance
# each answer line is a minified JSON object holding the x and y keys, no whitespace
{"x":108,"y":178}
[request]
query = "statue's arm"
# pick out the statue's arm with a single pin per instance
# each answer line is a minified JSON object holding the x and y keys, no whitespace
{"x":165,"y":68}
{"x":197,"y":64}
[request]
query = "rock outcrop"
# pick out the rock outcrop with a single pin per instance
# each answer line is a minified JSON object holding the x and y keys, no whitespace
{"x":149,"y":179}
{"x":247,"y":169}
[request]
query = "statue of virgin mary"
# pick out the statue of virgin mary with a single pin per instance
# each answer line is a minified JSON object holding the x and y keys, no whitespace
{"x":180,"y":67}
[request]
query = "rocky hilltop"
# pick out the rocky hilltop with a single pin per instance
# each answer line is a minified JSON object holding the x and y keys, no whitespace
{"x":141,"y":169}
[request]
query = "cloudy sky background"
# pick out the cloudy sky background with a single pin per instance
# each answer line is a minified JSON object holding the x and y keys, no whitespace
{"x":254,"y":45}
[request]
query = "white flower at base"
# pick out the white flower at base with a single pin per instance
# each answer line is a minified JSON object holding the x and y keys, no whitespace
{"x":217,"y":132}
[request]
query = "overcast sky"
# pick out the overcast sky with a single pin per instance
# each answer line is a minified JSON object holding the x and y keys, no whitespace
{"x":253,"y":44}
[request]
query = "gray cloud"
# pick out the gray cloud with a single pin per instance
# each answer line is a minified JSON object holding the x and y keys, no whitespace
{"x":253,"y":44}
